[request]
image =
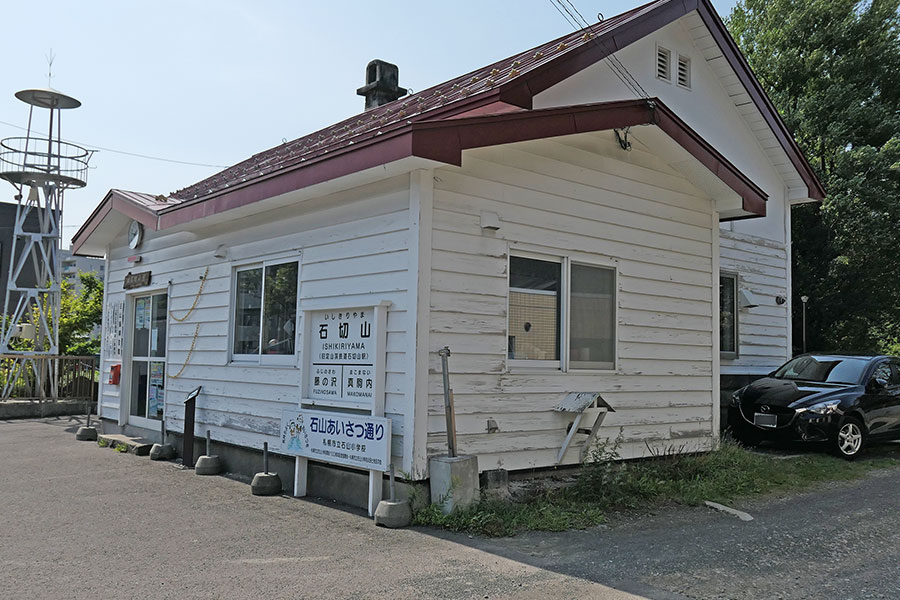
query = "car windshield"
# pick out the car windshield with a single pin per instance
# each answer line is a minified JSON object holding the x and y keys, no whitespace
{"x":823,"y":369}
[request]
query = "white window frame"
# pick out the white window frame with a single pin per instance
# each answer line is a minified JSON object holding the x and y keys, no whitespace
{"x":563,"y":365}
{"x":727,"y":354}
{"x":546,"y":365}
{"x":284,"y":360}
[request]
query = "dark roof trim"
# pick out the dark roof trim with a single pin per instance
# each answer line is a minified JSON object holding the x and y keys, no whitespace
{"x":445,"y":140}
{"x":643,"y":24}
{"x":114,"y":200}
{"x":620,"y":36}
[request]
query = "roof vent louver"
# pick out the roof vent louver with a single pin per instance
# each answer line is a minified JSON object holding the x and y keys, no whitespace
{"x":684,"y":72}
{"x":382,"y":84}
{"x":663,"y":62}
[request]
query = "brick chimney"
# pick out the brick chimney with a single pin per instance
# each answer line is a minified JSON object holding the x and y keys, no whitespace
{"x":381,"y":84}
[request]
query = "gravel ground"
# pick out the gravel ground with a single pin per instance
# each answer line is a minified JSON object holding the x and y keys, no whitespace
{"x":841,"y":541}
{"x":79,"y":521}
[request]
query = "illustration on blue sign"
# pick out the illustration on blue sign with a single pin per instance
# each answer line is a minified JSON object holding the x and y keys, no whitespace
{"x":353,"y":440}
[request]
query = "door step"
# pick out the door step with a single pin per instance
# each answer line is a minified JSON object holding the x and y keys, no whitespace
{"x":137,"y":446}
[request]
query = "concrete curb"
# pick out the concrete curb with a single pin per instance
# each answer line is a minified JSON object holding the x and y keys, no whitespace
{"x":728,"y":510}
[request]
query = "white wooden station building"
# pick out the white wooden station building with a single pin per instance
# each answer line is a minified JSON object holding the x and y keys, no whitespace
{"x":561,"y":227}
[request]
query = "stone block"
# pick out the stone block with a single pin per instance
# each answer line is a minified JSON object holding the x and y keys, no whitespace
{"x":495,"y":484}
{"x":161,"y":452}
{"x":393,"y":514}
{"x":86,"y":434}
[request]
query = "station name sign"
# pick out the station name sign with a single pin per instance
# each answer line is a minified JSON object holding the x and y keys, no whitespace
{"x":341,"y":358}
{"x":136,"y":280}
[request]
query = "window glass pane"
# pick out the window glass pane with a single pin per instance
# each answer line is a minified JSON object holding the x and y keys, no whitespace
{"x":156,"y":398}
{"x":593,"y":327}
{"x":534,"y":309}
{"x":280,"y":309}
{"x":727,"y":304}
{"x":141,"y":338}
{"x":158,"y":326}
{"x":247,"y":305}
{"x":139,"y":388}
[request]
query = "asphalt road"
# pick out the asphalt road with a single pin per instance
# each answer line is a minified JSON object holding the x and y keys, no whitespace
{"x":78,"y":521}
{"x":840,"y":541}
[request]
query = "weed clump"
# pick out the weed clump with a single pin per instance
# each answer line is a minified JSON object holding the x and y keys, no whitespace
{"x":670,"y":475}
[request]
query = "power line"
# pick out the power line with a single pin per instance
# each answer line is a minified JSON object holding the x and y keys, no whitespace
{"x":615,"y":65}
{"x":134,"y":154}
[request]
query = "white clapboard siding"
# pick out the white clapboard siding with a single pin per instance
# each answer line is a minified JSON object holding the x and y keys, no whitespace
{"x":578,"y":195}
{"x":762,"y":268}
{"x":352,"y":247}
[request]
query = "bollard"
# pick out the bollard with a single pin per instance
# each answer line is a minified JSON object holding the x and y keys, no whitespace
{"x":162,"y":450}
{"x":393,"y":513}
{"x":87,"y":433}
{"x":265,"y":483}
{"x":208,"y":464}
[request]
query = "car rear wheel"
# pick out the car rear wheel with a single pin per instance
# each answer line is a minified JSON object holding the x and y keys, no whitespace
{"x":850,"y":439}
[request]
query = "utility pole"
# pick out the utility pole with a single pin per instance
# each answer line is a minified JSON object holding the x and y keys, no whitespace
{"x":804,"y":300}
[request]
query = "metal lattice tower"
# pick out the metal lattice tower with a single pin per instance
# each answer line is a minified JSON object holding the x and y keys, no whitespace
{"x":46,"y":166}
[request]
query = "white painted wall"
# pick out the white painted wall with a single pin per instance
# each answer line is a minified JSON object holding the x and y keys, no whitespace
{"x":353,"y":248}
{"x":579,"y":196}
{"x":756,"y":249}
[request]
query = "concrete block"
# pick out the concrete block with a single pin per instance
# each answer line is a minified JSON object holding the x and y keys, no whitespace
{"x":495,"y":484}
{"x":86,"y":434}
{"x":266,"y":484}
{"x":393,"y":514}
{"x":161,"y":452}
{"x":454,"y":481}
{"x":208,"y":465}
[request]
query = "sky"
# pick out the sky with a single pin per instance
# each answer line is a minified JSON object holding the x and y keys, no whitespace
{"x":216,"y":82}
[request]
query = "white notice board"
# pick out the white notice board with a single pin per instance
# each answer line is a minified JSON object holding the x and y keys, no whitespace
{"x":344,"y":352}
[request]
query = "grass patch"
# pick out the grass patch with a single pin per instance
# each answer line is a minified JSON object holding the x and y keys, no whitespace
{"x":103,"y":443}
{"x":607,"y":484}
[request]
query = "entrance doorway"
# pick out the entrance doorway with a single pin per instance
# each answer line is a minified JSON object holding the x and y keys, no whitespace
{"x":147,"y":385}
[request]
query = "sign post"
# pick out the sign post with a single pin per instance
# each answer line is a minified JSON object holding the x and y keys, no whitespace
{"x":342,"y":386}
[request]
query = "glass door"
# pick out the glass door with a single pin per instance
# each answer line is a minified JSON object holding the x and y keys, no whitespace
{"x":148,"y":358}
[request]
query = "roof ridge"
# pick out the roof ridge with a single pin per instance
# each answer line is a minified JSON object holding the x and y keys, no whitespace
{"x":403,"y":111}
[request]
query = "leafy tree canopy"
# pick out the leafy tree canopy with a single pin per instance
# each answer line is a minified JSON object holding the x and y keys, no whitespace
{"x":80,"y":314}
{"x":832,"y":69}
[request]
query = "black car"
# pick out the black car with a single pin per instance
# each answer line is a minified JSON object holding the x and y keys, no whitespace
{"x":841,"y":400}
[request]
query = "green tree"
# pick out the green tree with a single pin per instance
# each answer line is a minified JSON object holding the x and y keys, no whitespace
{"x":832,"y":69}
{"x":80,"y":315}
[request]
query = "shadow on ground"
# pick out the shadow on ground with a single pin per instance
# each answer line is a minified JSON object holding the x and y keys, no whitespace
{"x":838,"y":539}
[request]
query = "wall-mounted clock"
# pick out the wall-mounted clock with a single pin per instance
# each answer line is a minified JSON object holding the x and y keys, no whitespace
{"x":135,"y":234}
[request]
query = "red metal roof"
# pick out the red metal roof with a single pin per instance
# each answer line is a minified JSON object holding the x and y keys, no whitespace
{"x":427,"y":104}
{"x":393,"y":131}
